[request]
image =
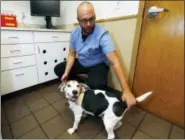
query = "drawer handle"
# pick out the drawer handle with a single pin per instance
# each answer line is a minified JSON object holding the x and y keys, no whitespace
{"x":54,"y":36}
{"x":45,"y":62}
{"x":17,"y":62}
{"x":64,"y":59}
{"x":46,"y":73}
{"x":13,"y":37}
{"x":19,"y":74}
{"x":64,"y":49}
{"x":44,"y":51}
{"x":15,"y":51}
{"x":55,"y":60}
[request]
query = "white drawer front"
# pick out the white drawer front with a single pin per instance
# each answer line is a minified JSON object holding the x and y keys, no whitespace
{"x":51,"y":36}
{"x":17,"y":50}
{"x":17,"y":79}
{"x":16,"y":37}
{"x":17,"y":62}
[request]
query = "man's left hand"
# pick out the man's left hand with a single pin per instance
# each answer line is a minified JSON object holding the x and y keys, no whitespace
{"x":129,"y":98}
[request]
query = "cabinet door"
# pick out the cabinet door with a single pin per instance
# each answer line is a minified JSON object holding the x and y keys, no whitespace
{"x":48,"y":56}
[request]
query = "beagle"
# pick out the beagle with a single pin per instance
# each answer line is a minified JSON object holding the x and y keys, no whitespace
{"x":83,"y":100}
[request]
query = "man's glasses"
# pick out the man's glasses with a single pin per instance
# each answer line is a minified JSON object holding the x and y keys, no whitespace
{"x":85,"y":21}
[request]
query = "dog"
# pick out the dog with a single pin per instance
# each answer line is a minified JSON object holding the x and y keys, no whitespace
{"x":99,"y":103}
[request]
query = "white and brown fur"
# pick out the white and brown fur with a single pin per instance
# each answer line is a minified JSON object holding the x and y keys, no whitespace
{"x":105,"y":105}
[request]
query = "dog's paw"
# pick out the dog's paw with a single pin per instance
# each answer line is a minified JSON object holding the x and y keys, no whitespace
{"x":71,"y":131}
{"x":111,"y":137}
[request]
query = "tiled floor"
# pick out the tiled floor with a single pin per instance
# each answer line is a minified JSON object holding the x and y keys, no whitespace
{"x":43,"y":113}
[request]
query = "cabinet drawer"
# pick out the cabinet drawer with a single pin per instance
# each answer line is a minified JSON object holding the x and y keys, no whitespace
{"x":15,"y":37}
{"x":17,"y":50}
{"x":17,"y":79}
{"x":17,"y":62}
{"x":51,"y":36}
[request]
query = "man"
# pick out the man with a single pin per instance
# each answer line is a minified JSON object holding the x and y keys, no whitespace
{"x":96,"y":53}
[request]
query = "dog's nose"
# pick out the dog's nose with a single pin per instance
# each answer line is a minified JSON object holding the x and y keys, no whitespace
{"x":75,"y":92}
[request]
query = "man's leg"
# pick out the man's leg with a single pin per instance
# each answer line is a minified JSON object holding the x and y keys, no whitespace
{"x":77,"y":68}
{"x":98,"y":79}
{"x":98,"y":76}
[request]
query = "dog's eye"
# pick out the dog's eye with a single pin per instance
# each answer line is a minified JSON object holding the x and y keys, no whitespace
{"x":68,"y":85}
{"x":78,"y":86}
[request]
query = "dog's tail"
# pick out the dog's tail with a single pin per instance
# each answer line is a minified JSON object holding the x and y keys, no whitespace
{"x":143,"y":97}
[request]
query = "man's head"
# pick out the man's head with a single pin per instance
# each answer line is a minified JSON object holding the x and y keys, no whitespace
{"x":86,"y":17}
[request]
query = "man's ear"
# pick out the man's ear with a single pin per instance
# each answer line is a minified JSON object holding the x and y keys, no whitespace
{"x":62,"y":86}
{"x":84,"y":87}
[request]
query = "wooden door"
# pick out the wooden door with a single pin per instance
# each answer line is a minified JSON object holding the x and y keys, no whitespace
{"x":160,"y":61}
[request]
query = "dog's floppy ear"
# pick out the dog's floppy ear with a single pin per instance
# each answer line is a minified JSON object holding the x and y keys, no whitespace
{"x":84,"y":87}
{"x":62,"y":86}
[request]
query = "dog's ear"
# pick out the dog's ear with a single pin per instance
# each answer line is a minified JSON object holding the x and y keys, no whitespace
{"x":84,"y":87}
{"x":62,"y":86}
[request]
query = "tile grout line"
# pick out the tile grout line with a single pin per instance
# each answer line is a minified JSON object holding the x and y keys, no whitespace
{"x":36,"y":120}
{"x":9,"y":125}
{"x":137,"y":128}
{"x":171,"y":128}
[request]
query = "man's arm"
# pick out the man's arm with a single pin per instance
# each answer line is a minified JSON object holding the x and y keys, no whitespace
{"x":108,"y":49}
{"x":70,"y":60}
{"x":115,"y":64}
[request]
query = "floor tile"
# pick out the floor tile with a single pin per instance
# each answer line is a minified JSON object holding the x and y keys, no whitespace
{"x":47,"y":90}
{"x":66,"y":135}
{"x":37,"y":105}
{"x":17,"y":113}
{"x":89,"y":128}
{"x":60,"y":106}
{"x":13,"y":103}
{"x":155,"y":127}
{"x":125,"y":131}
{"x":32,"y":97}
{"x":24,"y":125}
{"x":36,"y":133}
{"x":45,"y":114}
{"x":101,"y":135}
{"x":141,"y":135}
{"x":177,"y":133}
{"x":134,"y":116}
{"x":55,"y":127}
{"x":6,"y":132}
{"x":67,"y":114}
{"x":52,"y":97}
{"x":4,"y":119}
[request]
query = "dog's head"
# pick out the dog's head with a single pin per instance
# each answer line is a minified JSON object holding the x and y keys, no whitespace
{"x":72,"y":89}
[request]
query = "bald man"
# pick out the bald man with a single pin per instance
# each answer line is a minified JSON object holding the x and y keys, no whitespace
{"x":96,"y":53}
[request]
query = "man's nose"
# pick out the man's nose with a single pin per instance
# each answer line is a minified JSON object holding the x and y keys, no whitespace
{"x":75,"y":92}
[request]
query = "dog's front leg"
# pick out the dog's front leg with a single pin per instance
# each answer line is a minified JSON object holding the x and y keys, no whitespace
{"x":77,"y":118}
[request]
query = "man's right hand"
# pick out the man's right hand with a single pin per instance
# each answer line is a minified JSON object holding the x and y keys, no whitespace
{"x":64,"y":77}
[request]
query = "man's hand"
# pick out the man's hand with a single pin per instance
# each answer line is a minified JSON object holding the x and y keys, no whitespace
{"x":129,"y":98}
{"x":64,"y":77}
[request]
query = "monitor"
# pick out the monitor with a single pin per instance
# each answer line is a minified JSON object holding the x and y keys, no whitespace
{"x":45,"y":8}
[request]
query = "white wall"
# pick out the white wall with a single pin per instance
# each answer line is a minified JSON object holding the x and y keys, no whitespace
{"x":104,"y":9}
{"x":20,"y":7}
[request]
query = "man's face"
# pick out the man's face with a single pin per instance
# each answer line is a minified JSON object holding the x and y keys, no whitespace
{"x":86,"y":19}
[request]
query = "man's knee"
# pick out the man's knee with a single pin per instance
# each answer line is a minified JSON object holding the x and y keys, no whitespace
{"x":97,"y":85}
{"x":59,"y":69}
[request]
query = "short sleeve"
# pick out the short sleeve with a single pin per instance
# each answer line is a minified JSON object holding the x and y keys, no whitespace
{"x":72,"y":41}
{"x":106,"y":43}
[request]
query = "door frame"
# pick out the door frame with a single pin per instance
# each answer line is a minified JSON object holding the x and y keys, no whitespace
{"x":136,"y":43}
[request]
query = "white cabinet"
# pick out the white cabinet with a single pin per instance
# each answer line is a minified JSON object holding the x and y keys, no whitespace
{"x":28,"y":56}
